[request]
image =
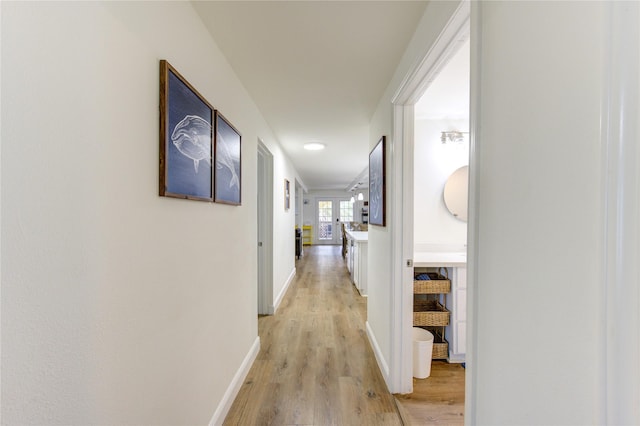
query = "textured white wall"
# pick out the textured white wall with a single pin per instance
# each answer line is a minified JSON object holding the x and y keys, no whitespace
{"x":118,"y":306}
{"x":434,"y":163}
{"x":538,"y":353}
{"x":284,"y":250}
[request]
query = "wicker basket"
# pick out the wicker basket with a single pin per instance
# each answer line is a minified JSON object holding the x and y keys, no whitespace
{"x":429,"y":313}
{"x":440,"y":344}
{"x":440,"y":347}
{"x":437,"y":284}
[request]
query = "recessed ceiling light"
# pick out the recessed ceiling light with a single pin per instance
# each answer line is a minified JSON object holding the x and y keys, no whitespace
{"x":314,"y":146}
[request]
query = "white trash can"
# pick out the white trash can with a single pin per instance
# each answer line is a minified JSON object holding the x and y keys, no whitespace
{"x":422,"y":351}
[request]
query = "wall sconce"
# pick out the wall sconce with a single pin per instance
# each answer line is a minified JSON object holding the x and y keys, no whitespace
{"x":453,"y":136}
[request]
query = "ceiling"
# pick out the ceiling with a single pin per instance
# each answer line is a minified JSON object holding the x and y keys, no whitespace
{"x":316,"y":70}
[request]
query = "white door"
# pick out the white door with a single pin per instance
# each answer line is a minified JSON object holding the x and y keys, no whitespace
{"x":265,"y":231}
{"x":345,"y":210}
{"x":331,"y":212}
{"x":262,"y":309}
{"x":326,"y":229}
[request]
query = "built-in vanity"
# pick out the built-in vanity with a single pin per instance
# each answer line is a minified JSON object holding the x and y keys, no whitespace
{"x":357,"y":245}
{"x":449,"y":326}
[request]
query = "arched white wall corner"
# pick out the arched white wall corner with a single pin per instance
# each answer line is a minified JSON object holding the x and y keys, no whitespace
{"x":621,"y":181}
{"x":455,"y":32}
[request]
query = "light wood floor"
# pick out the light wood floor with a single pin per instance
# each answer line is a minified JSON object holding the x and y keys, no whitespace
{"x":436,"y":400}
{"x":315,"y":365}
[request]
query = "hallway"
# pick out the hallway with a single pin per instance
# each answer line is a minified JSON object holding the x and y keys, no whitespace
{"x":315,"y":365}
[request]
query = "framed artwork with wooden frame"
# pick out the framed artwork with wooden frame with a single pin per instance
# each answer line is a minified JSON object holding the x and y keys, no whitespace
{"x":228,"y":179}
{"x":377,"y":184}
{"x":186,"y":138}
{"x":287,"y":195}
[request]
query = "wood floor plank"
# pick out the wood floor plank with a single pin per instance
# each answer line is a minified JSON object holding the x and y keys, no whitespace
{"x":300,"y":388}
{"x":243,"y":403}
{"x":316,"y":367}
{"x":327,"y":391}
{"x":351,"y":404}
{"x":438,"y":399}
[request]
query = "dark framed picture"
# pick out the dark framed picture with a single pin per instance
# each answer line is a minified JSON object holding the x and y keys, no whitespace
{"x":186,"y":138}
{"x":377,"y":184}
{"x":287,"y":195}
{"x":228,"y":179}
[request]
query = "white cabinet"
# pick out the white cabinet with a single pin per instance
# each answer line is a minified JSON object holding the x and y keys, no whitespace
{"x":357,"y":259}
{"x":457,"y":329}
{"x":360,"y":266}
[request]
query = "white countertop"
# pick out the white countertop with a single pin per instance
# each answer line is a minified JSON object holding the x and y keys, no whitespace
{"x":426,"y":258}
{"x":359,"y":236}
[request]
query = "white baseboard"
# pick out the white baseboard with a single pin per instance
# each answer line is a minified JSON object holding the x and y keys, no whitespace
{"x":285,"y":287}
{"x":456,"y":359}
{"x":384,"y":367}
{"x":235,"y":385}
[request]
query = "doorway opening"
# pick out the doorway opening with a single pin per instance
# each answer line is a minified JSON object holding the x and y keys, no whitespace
{"x":452,"y":38}
{"x":440,"y":158}
{"x":441,"y":161}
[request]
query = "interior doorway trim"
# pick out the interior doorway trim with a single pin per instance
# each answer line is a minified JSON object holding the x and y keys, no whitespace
{"x":453,"y":35}
{"x":265,"y":231}
{"x":621,"y":208}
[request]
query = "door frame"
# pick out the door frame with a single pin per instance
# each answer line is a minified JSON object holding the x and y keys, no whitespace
{"x":620,"y":207}
{"x":455,"y":32}
{"x":264,"y":277}
{"x":335,"y":206}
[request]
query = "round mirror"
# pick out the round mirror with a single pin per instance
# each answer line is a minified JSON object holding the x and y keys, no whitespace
{"x":456,"y":192}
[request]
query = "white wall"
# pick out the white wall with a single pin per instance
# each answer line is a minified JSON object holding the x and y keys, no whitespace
{"x":433,"y":224}
{"x":298,"y":206}
{"x":284,"y":223}
{"x":538,"y":351}
{"x":119,"y":306}
{"x":380,"y":285}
